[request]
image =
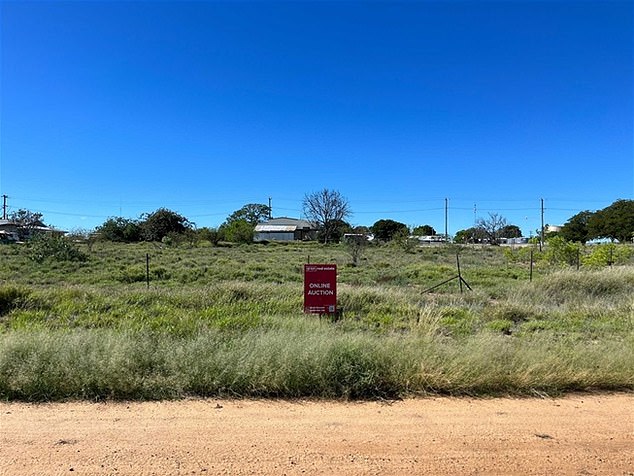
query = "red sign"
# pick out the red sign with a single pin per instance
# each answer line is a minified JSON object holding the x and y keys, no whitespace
{"x":320,"y":288}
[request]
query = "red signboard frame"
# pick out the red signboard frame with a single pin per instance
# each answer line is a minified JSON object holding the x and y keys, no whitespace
{"x":320,"y":288}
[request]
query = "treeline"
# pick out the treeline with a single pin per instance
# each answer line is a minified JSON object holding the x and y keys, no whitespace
{"x":615,"y":222}
{"x":169,"y":227}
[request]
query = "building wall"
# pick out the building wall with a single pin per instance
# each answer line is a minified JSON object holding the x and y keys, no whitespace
{"x":274,"y":236}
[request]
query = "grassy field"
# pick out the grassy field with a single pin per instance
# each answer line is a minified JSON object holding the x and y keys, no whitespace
{"x":228,"y":321}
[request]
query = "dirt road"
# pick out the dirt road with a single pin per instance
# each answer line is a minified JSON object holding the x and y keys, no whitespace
{"x":579,"y":434}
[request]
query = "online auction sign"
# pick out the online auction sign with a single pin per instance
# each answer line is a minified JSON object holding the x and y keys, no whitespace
{"x":320,"y":288}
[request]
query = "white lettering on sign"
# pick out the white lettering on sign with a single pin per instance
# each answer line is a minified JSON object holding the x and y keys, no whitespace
{"x":321,"y":292}
{"x":319,"y":285}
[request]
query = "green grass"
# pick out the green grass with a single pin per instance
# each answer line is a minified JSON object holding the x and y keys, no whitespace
{"x":228,"y":322}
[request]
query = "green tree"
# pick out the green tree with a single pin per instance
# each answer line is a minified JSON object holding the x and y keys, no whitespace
{"x":119,"y":229}
{"x":27,"y":222}
{"x":211,"y":235}
{"x":252,"y":213}
{"x":470,"y":235}
{"x":576,"y":228}
{"x":424,"y":230}
{"x":157,"y":225}
{"x":327,"y":209}
{"x":386,"y":230}
{"x":337,"y":228}
{"x":510,"y":231}
{"x":361,"y":229}
{"x":615,"y":222}
{"x":237,"y":231}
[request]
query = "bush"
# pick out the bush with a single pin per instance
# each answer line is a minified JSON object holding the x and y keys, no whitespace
{"x":559,"y":251}
{"x":120,"y":229}
{"x":607,"y":254}
{"x":54,"y":247}
{"x":159,"y":224}
{"x":239,"y":231}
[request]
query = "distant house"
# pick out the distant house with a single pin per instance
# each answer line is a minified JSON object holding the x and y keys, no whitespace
{"x":11,"y":231}
{"x":428,"y":239}
{"x":285,"y":229}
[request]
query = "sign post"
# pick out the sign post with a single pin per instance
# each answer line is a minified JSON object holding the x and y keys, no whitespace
{"x":320,"y":288}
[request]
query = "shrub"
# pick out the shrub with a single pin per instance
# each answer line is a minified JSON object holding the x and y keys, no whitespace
{"x":239,"y":231}
{"x":607,"y":254}
{"x":559,"y":251}
{"x":54,"y":247}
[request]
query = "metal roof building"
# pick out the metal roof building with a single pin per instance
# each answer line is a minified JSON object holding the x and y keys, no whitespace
{"x":285,"y":229}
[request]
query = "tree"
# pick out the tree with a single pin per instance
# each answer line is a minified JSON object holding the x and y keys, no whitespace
{"x":424,"y":230}
{"x":326,"y":208}
{"x":356,"y":246}
{"x":362,"y":230}
{"x":470,"y":235}
{"x":615,"y":222}
{"x":253,"y":213}
{"x":386,"y":230}
{"x":212,"y":235}
{"x":120,"y":229}
{"x":576,"y":228}
{"x":27,"y":220}
{"x":237,"y":231}
{"x":337,"y":228}
{"x":510,"y":231}
{"x":492,"y":227}
{"x":157,"y":225}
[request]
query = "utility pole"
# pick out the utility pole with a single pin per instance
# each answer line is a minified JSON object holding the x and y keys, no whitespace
{"x":4,"y":207}
{"x":541,"y":235}
{"x":270,"y":210}
{"x":446,"y":220}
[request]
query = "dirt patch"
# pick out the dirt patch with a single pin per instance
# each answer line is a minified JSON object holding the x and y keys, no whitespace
{"x":579,"y":434}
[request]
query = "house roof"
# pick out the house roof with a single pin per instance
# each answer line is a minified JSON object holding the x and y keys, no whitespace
{"x":6,"y":222}
{"x":264,"y":227}
{"x":289,"y":222}
{"x":12,"y":224}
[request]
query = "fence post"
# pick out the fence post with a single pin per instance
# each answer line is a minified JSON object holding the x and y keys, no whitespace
{"x":147,"y":269}
{"x":530,"y":274}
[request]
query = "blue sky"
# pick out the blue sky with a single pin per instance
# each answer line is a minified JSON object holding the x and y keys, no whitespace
{"x":118,"y":108}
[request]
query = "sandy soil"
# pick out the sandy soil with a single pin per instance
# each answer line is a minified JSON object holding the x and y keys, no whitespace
{"x":579,"y":434}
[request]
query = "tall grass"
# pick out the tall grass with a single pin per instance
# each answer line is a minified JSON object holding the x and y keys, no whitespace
{"x":97,"y":364}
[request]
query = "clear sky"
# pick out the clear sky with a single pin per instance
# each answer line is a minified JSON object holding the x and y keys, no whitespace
{"x":118,"y":108}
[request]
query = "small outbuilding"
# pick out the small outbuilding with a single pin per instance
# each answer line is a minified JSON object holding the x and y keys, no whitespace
{"x":285,"y":229}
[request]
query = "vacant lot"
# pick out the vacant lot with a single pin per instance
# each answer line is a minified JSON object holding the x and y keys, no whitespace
{"x":227,"y":322}
{"x":580,"y":434}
